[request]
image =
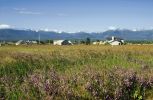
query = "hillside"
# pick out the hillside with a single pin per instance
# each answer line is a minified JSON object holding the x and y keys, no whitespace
{"x":14,"y":34}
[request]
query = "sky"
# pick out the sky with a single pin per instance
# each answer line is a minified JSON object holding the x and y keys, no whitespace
{"x":76,"y":15}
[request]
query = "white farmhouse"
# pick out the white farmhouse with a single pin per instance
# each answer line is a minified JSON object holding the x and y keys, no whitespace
{"x":62,"y":42}
{"x":95,"y":43}
{"x":115,"y":41}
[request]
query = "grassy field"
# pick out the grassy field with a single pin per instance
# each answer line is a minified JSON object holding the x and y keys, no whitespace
{"x":76,"y":72}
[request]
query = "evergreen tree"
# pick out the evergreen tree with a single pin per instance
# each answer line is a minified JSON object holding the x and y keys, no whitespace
{"x":88,"y":41}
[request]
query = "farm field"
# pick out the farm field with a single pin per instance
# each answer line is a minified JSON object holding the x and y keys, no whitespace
{"x":76,"y":72}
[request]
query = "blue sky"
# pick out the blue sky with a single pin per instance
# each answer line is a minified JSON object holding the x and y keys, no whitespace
{"x":77,"y":15}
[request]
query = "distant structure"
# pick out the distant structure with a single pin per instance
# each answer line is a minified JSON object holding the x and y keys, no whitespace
{"x":98,"y":43}
{"x":115,"y":41}
{"x":31,"y":42}
{"x":62,"y":42}
{"x":19,"y":42}
{"x":9,"y":43}
{"x":28,"y":42}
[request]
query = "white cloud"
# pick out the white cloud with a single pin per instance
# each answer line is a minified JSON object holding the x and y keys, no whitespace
{"x":151,"y":28}
{"x":25,"y":11}
{"x":62,"y":15}
{"x":112,"y":28}
{"x":134,"y":30}
{"x":49,"y":30}
{"x":4,"y":26}
{"x":19,"y":9}
{"x":58,"y":31}
{"x":46,"y":30}
{"x":29,"y":12}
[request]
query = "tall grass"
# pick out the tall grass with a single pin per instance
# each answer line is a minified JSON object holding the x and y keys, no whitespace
{"x":76,"y":72}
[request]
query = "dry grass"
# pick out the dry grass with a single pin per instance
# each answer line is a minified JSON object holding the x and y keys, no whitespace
{"x":76,"y":72}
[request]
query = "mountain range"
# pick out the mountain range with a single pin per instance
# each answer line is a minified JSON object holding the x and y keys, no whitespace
{"x":16,"y":34}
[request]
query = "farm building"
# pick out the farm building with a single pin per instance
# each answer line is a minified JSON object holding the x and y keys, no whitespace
{"x":62,"y":42}
{"x":28,"y":42}
{"x":115,"y":41}
{"x":19,"y":42}
{"x":31,"y":42}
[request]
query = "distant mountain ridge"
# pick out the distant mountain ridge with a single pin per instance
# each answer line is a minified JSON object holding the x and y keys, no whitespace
{"x":15,"y":34}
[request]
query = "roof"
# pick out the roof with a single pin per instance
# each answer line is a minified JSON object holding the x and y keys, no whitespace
{"x":116,"y":38}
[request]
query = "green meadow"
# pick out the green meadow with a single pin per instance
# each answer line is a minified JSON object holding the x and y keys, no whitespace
{"x":84,"y":72}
